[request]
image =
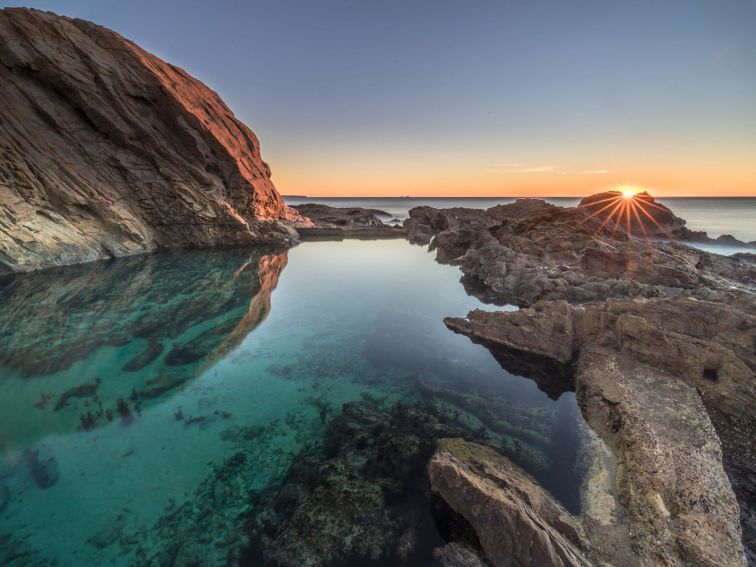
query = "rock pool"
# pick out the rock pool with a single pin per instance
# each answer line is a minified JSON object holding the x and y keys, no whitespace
{"x":273,"y":407}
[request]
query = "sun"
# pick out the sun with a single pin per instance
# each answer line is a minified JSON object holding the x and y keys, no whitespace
{"x":629,"y":192}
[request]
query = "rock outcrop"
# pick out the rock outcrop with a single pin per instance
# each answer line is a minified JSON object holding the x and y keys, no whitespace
{"x":662,"y":381}
{"x":657,"y":339}
{"x":342,"y":217}
{"x":108,"y":151}
{"x":531,"y":250}
{"x":517,"y":522}
{"x":345,"y":222}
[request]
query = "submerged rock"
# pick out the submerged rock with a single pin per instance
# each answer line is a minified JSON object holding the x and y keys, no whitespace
{"x":108,"y":151}
{"x":151,"y":352}
{"x":92,"y":312}
{"x":109,"y":533}
{"x":363,"y":497}
{"x":82,"y":391}
{"x":161,"y":384}
{"x":5,"y":497}
{"x":42,"y":466}
{"x":18,"y":551}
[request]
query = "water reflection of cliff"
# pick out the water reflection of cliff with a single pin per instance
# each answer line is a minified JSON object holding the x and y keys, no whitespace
{"x":93,"y":343}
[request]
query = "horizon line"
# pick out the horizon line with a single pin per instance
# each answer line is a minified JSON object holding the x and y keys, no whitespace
{"x":504,"y":196}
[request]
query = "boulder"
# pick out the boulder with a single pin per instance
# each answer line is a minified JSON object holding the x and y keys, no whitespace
{"x":517,"y":522}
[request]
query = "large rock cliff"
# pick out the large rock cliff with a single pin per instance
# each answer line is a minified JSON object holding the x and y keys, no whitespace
{"x":106,"y":151}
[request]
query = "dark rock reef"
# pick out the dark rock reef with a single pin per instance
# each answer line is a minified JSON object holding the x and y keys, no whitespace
{"x":657,"y":339}
{"x":345,"y":222}
{"x":342,"y":217}
{"x":361,"y":498}
{"x":108,"y":151}
{"x":531,"y":250}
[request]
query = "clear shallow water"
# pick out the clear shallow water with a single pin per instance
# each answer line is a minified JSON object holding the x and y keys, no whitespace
{"x":157,"y":407}
{"x":735,"y":216}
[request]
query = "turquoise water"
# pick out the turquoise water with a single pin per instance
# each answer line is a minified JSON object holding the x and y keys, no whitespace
{"x":735,"y":216}
{"x":185,"y":408}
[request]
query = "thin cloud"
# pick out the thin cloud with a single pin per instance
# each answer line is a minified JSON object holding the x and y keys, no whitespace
{"x":537,"y":169}
{"x":595,"y":171}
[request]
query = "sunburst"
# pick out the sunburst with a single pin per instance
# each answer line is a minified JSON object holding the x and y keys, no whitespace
{"x":628,"y":204}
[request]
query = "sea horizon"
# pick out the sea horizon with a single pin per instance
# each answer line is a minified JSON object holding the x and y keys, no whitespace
{"x":717,"y":216}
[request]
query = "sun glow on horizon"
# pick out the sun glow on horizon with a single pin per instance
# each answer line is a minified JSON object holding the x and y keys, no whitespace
{"x":629,"y":191}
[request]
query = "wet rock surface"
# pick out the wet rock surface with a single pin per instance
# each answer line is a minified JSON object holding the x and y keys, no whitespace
{"x":107,"y":151}
{"x":517,"y":522}
{"x":662,"y":381}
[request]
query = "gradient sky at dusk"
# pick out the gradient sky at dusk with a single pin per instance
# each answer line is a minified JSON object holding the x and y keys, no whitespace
{"x":410,"y":97}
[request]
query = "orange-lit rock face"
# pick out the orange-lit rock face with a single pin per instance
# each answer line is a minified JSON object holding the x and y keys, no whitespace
{"x":106,"y":150}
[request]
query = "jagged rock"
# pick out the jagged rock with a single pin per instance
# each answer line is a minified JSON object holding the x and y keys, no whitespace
{"x":348,"y":222}
{"x":517,"y":522}
{"x":324,"y":216}
{"x":107,"y":151}
{"x":654,"y":219}
{"x":670,"y":479}
{"x":655,"y":378}
{"x":530,"y":250}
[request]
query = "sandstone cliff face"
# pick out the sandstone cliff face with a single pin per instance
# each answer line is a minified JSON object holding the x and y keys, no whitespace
{"x":107,"y":151}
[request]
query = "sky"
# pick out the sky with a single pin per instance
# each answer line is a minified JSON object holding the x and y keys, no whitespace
{"x":471,"y":98}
